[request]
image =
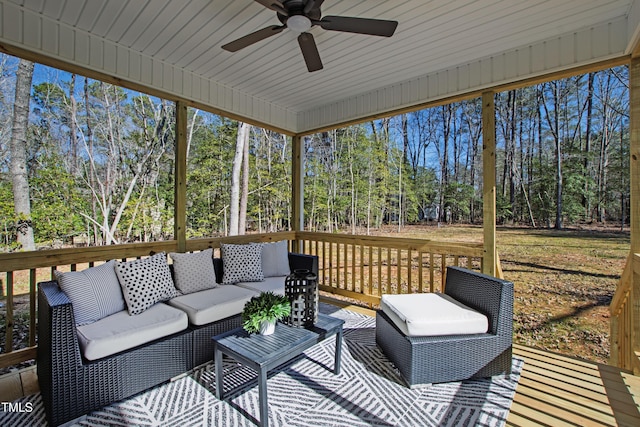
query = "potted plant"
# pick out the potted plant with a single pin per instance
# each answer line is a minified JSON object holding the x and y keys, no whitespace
{"x":261,"y":312}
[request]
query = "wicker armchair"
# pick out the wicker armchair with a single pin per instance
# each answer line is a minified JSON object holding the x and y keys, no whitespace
{"x":435,"y":359}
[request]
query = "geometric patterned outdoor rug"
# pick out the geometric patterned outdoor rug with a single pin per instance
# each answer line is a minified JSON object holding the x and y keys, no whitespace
{"x":368,"y":392}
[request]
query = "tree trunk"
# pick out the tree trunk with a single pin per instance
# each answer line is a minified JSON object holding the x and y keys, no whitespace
{"x":512,"y":155}
{"x":92,"y":172}
{"x":73,"y":137}
{"x":18,"y":150}
{"x":587,"y":148}
{"x":234,"y":205}
{"x":244,"y":192}
{"x":559,"y":183}
{"x":444,"y":179}
{"x":554,"y":127}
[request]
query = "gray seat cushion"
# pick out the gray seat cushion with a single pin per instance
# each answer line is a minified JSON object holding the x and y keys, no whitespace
{"x":122,"y":331}
{"x":274,"y":284}
{"x":213,"y":304}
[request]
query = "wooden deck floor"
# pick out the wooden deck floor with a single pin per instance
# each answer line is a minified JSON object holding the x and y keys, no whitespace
{"x":554,"y":390}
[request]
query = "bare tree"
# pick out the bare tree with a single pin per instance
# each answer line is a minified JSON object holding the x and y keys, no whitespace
{"x":118,"y":162}
{"x":234,"y":208}
{"x":244,"y":191}
{"x":18,"y":152}
{"x":553,"y":121}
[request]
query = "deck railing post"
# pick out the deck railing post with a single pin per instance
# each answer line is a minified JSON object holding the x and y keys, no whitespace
{"x":489,"y":182}
{"x":634,"y":182}
{"x":180,"y":183}
{"x":297,"y":187}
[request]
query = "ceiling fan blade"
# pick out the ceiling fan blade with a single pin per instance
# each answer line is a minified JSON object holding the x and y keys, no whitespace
{"x":273,"y":5}
{"x":312,"y":4}
{"x":373,"y":27}
{"x":310,"y":52}
{"x":252,"y":38}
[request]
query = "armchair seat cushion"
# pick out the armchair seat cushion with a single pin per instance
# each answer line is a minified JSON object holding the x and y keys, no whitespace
{"x":432,"y":314}
{"x":121,"y":331}
{"x":214,"y":304}
{"x":269,"y":284}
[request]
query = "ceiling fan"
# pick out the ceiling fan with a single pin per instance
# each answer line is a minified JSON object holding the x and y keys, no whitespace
{"x":299,"y":16}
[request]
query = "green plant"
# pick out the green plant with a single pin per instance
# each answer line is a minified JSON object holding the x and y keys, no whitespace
{"x":267,"y":307}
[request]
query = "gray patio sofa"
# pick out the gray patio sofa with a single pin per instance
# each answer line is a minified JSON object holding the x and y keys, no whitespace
{"x":72,"y":386}
{"x":435,"y":359}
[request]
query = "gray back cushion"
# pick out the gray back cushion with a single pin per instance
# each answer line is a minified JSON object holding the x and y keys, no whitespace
{"x":95,"y":293}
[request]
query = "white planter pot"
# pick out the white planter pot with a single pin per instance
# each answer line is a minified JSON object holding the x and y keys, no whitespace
{"x":267,"y":328}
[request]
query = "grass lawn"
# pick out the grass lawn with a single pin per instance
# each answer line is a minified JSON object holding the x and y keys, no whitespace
{"x":564,"y":282}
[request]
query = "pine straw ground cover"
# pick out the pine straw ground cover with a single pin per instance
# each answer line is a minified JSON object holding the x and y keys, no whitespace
{"x":564,"y":282}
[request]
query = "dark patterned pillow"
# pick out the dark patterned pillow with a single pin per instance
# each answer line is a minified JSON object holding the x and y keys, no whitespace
{"x":94,"y":293}
{"x":241,"y":263}
{"x":145,"y":282}
{"x":194,"y":272}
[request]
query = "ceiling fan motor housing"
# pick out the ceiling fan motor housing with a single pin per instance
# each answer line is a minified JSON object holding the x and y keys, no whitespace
{"x":296,"y":8}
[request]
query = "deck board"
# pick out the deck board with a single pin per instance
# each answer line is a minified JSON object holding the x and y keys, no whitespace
{"x":556,"y":390}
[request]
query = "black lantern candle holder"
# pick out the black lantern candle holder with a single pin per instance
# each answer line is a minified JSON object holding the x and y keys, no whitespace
{"x":301,"y":287}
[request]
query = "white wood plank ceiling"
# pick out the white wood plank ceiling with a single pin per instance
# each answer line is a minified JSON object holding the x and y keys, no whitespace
{"x":441,"y":48}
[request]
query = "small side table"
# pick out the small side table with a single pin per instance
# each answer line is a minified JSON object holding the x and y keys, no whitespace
{"x":263,"y":353}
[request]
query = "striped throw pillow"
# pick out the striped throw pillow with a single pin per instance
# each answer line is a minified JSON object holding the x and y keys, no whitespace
{"x":94,"y":293}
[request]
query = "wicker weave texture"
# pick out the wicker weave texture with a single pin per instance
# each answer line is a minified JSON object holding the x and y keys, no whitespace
{"x":72,"y":387}
{"x":425,"y":360}
{"x":203,"y":344}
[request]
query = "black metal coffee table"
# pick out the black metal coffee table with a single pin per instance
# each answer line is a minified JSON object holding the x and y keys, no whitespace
{"x":263,"y":353}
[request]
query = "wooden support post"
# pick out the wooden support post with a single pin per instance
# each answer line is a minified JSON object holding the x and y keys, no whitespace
{"x":489,"y":183}
{"x":297,"y":187}
{"x":634,"y":169}
{"x":634,"y":151}
{"x":180,"y":183}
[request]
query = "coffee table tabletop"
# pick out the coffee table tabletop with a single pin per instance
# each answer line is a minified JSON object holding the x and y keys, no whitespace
{"x":263,"y":353}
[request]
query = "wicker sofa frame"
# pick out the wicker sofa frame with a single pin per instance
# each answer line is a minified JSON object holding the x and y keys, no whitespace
{"x":436,"y":359}
{"x":72,"y":386}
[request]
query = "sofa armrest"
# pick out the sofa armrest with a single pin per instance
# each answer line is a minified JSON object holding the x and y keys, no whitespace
{"x":57,"y":337}
{"x":58,"y":351}
{"x":303,"y":262}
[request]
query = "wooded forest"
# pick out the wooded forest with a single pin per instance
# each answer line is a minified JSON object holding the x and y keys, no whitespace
{"x":86,"y":162}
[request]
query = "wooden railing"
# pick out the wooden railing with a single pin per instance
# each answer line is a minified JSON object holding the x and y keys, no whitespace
{"x":358,"y":267}
{"x":365,"y":267}
{"x":625,"y":318}
{"x":26,"y":269}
